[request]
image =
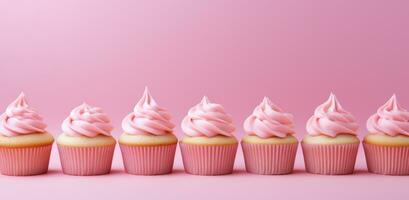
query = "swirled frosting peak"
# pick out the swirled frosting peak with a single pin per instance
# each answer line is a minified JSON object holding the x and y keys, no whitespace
{"x":88,"y":121}
{"x":390,"y":119}
{"x":21,"y":119}
{"x":207,"y":119}
{"x":268,"y":120}
{"x":331,"y":119}
{"x":148,"y":118}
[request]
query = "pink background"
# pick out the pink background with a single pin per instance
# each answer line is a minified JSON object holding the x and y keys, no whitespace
{"x":61,"y":53}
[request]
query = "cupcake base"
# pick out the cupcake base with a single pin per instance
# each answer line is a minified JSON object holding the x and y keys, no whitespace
{"x":332,"y":159}
{"x":387,"y":160}
{"x":269,"y":159}
{"x":24,"y":161}
{"x":148,"y":160}
{"x":86,"y":161}
{"x":208,"y":160}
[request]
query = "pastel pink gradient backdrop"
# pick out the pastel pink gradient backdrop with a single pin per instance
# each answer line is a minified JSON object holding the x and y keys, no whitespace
{"x":61,"y":53}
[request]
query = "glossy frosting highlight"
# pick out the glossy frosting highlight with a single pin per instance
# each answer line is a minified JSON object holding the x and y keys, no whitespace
{"x":21,"y":119}
{"x":390,"y":119}
{"x":268,"y":120}
{"x":88,"y":121}
{"x":207,"y":119}
{"x":331,"y":119}
{"x":148,"y":118}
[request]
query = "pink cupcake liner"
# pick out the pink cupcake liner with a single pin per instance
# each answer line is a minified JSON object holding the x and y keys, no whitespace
{"x":269,"y":158}
{"x":387,"y":160}
{"x":333,"y":159}
{"x":208,"y":159}
{"x":24,"y":161}
{"x":148,"y":160}
{"x":86,"y":161}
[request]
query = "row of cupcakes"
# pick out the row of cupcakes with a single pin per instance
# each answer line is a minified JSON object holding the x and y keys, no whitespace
{"x":209,"y":146}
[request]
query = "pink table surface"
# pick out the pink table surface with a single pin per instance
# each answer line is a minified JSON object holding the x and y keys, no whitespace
{"x":239,"y":185}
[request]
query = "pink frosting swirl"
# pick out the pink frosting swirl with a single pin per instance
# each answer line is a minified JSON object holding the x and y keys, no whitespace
{"x":148,"y":118}
{"x":390,"y":119}
{"x":207,"y":119}
{"x":331,"y":119}
{"x":88,"y":121}
{"x":21,"y":119}
{"x":268,"y":120}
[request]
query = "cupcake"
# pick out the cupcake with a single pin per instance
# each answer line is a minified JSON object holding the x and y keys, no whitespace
{"x":209,"y":146}
{"x":148,"y":144}
{"x":387,"y":144}
{"x":269,"y":146}
{"x":25,"y":145}
{"x":86,"y":146}
{"x":331,"y":146}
